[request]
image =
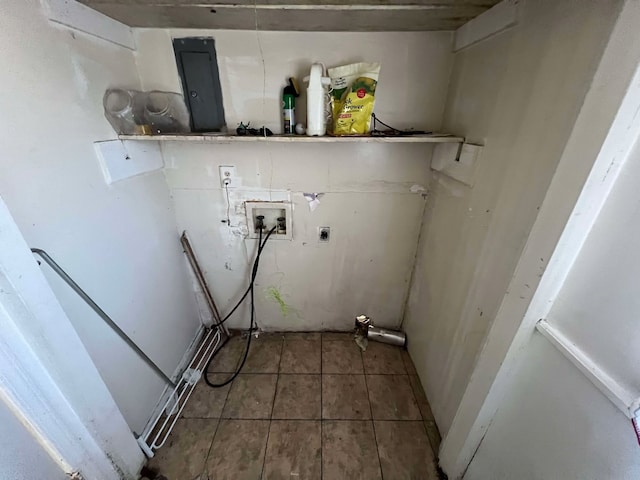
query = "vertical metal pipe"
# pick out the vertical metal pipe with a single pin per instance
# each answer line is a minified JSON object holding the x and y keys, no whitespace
{"x":101,"y":313}
{"x":202,"y":281}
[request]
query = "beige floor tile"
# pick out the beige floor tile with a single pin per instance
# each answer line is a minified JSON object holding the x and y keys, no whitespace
{"x":205,"y":401}
{"x":185,"y":451}
{"x":421,"y":398}
{"x":344,"y":397}
{"x":251,"y":396}
{"x":405,"y":453}
{"x":301,"y":355}
{"x":391,"y":398}
{"x":238,"y":450}
{"x":302,"y":336}
{"x":296,"y":444}
{"x":341,"y":357}
{"x":228,"y":358}
{"x":293,"y":450}
{"x":337,"y":336}
{"x":349,"y":451}
{"x":380,"y":358}
{"x":298,"y":397}
{"x":264,"y":354}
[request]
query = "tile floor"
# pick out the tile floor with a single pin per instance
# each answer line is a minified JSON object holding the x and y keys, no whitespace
{"x":306,"y":406}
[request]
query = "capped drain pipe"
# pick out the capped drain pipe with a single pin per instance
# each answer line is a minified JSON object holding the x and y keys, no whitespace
{"x":366,"y":329}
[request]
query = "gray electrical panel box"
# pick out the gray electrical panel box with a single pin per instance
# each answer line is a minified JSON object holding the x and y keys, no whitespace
{"x":198,"y":68}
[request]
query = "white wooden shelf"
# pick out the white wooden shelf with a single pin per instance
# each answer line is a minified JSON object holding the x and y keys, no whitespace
{"x":224,"y":138}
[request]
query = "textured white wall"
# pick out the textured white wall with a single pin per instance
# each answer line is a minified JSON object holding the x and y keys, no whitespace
{"x":21,"y":456}
{"x":369,"y":204}
{"x":518,"y":93}
{"x":120,"y":243}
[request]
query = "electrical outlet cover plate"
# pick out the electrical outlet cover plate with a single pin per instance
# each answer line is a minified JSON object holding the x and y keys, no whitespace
{"x":324,"y":234}
{"x":228,"y":176}
{"x":271,"y":211}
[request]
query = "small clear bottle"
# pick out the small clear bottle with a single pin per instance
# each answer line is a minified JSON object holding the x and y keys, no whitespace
{"x":166,"y":112}
{"x":122,"y":108}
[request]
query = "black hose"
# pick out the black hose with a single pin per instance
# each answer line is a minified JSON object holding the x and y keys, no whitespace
{"x":254,"y":273}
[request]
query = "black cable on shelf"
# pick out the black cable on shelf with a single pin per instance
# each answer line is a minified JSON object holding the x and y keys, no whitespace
{"x":254,"y":273}
{"x":392,"y":130}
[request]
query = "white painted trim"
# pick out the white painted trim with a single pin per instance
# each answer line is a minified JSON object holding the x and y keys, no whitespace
{"x":47,"y":376}
{"x":77,"y":16}
{"x":566,"y":216}
{"x":493,"y":21}
{"x":621,"y":397}
{"x":314,"y":6}
{"x":226,"y":138}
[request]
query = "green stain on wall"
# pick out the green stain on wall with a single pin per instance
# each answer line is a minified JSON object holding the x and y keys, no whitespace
{"x":274,"y":294}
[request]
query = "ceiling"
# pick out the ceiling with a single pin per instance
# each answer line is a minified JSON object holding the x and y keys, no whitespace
{"x":295,"y":15}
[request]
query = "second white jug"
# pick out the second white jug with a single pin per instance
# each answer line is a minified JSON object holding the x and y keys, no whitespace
{"x":317,"y":100}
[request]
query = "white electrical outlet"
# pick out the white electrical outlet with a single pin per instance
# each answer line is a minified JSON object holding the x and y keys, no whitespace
{"x":228,"y":177}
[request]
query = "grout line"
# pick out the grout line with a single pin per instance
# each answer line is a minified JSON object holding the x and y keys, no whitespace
{"x":215,"y":432}
{"x":415,"y":396}
{"x":404,"y":365}
{"x":431,"y":445}
{"x":403,"y":420}
{"x":206,"y":459}
{"x":323,"y":373}
{"x":373,"y":425}
{"x":321,"y":413}
{"x":317,"y":419}
{"x":373,"y":419}
{"x":273,"y":404}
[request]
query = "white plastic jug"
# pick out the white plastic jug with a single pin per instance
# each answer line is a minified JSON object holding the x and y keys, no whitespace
{"x":317,"y":100}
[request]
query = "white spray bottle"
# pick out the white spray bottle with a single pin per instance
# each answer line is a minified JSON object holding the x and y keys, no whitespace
{"x":317,"y":100}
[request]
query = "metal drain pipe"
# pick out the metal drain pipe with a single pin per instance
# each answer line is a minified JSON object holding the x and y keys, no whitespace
{"x":365,"y":328}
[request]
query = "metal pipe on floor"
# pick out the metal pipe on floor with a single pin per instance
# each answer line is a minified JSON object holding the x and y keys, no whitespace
{"x":101,"y":313}
{"x":366,"y":329}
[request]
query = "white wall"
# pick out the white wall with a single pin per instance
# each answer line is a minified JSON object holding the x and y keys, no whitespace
{"x":554,"y":423}
{"x":254,"y":67}
{"x":21,"y":456}
{"x":518,"y":93}
{"x":120,"y":243}
{"x":369,"y":204}
{"x":597,"y":307}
